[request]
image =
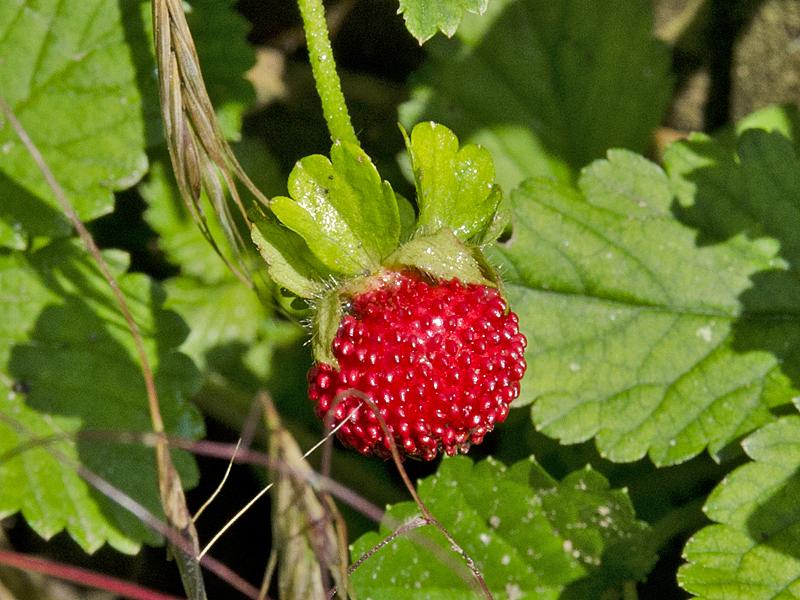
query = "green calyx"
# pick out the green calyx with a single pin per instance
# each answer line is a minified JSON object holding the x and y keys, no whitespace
{"x":341,"y":224}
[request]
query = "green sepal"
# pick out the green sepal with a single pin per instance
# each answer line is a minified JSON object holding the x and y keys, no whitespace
{"x":325,"y":324}
{"x":368,"y":203}
{"x":408,"y":218}
{"x":442,"y":256}
{"x":499,"y":222}
{"x":289,"y":261}
{"x":455,"y":187}
{"x":341,"y":208}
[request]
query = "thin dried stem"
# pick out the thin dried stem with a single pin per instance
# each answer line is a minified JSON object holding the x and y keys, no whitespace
{"x":225,"y":451}
{"x":172,"y":496}
{"x":83,"y":577}
{"x":408,"y":529}
{"x":403,"y":529}
{"x":398,"y":461}
{"x":251,"y":422}
{"x":94,"y":251}
{"x":272,"y":562}
{"x":218,"y":489}
{"x":241,"y":512}
{"x":203,"y":448}
{"x":136,"y":509}
{"x":307,"y":526}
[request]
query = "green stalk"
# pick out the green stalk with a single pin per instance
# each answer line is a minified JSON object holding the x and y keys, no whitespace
{"x":324,"y":69}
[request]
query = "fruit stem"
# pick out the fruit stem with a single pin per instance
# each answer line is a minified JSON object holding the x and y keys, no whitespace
{"x":324,"y":69}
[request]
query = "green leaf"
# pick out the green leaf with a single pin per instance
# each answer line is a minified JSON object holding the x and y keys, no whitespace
{"x":374,"y":218}
{"x":290,"y":263}
{"x":782,"y":119}
{"x":455,"y":188}
{"x":530,"y":536}
{"x":179,"y":237}
{"x":408,"y":217}
{"x":231,"y":331}
{"x":233,"y":334}
{"x":751,"y":553}
{"x":547,"y":86}
{"x":641,"y":332}
{"x":753,"y":185}
{"x":68,"y":365}
{"x":342,"y":210}
{"x":425,"y":17}
{"x":219,"y":315}
{"x":441,"y":256}
{"x":68,"y":75}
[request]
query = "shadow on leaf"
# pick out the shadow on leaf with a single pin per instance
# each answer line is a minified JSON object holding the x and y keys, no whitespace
{"x":546,"y":87}
{"x":745,"y":192}
{"x":776,"y":521}
{"x":26,"y":212}
{"x":82,"y":374}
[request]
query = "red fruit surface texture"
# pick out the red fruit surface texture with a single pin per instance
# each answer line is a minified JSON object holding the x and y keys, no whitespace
{"x":441,"y":362}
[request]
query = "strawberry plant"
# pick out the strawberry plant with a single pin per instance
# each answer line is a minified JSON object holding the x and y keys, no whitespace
{"x":509,"y":312}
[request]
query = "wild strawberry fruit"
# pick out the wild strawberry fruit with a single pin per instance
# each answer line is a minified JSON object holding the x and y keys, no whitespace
{"x":441,"y":361}
{"x":405,"y":312}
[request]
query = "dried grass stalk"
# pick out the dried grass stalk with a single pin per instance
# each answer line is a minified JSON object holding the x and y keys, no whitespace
{"x":202,"y":159}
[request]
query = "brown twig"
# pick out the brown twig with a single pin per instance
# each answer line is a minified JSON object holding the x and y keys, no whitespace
{"x":208,"y":448}
{"x":83,"y":577}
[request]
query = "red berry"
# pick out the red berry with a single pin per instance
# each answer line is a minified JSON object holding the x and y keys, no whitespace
{"x":441,"y":361}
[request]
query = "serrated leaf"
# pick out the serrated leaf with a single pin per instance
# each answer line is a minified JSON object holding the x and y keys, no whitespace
{"x":547,"y":86}
{"x":750,"y":189}
{"x":375,"y":218}
{"x":751,"y":553}
{"x":425,"y":17}
{"x":68,"y":364}
{"x":219,"y":315}
{"x":340,"y":207}
{"x":781,"y":119}
{"x":455,"y":187}
{"x":442,"y":256}
{"x":639,"y":335}
{"x":530,"y":536}
{"x":67,"y":74}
